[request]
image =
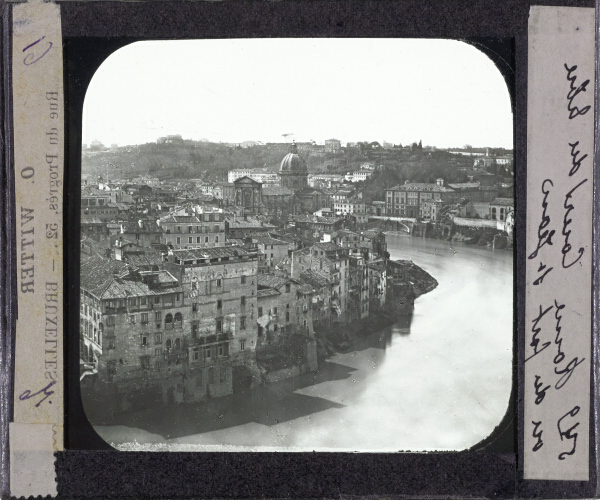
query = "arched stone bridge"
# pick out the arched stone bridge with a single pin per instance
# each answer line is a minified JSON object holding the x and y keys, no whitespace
{"x":400,"y":224}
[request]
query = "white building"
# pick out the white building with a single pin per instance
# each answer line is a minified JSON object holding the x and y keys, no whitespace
{"x":358,"y":176}
{"x":267,"y":178}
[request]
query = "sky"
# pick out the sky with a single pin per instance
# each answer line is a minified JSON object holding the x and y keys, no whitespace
{"x":444,"y":92}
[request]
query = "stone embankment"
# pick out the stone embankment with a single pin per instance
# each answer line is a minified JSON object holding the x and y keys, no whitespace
{"x":480,"y":236}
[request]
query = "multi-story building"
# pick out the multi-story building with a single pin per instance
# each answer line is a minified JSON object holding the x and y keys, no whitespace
{"x":146,"y":233}
{"x":222,"y":286}
{"x":318,"y":288}
{"x":270,"y":178}
{"x":332,"y":145}
{"x":332,"y":261}
{"x":406,"y":200}
{"x":324,"y":180}
{"x":341,"y":195}
{"x":358,"y":288}
{"x":204,"y":230}
{"x":377,"y":285}
{"x":349,"y":206}
{"x":143,"y":325}
{"x":273,"y":249}
{"x":358,"y":176}
{"x":281,"y":307}
{"x":93,"y":227}
{"x":500,"y":208}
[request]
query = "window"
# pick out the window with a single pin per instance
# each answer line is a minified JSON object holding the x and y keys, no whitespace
{"x":220,"y":350}
{"x":178,"y":320}
{"x":144,"y":340}
{"x":206,"y":239}
{"x":157,"y":365}
{"x":158,"y":351}
{"x":111,"y":343}
{"x":157,"y":300}
{"x":260,"y":312}
{"x":157,"y":316}
{"x":219,"y":282}
{"x":143,"y":301}
{"x":178,"y":229}
{"x":110,"y":321}
{"x":169,"y":322}
{"x":219,"y":325}
{"x":288,"y":287}
{"x":242,"y":323}
{"x":190,"y":239}
{"x":216,"y":239}
{"x":169,"y":344}
{"x":194,"y":331}
{"x":223,"y":374}
{"x":196,"y":358}
{"x":189,"y":230}
{"x":243,"y":300}
{"x":177,"y":344}
{"x":208,"y":353}
{"x":275,"y":311}
{"x":219,"y":304}
{"x":243,"y":280}
{"x":197,"y":239}
{"x":194,"y":307}
{"x":242,"y":345}
{"x":145,"y":362}
{"x":132,"y":301}
{"x":158,"y":338}
{"x":178,"y":240}
{"x":287,"y":316}
{"x":144,"y":318}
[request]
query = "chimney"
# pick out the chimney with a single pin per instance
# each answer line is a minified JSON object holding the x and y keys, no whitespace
{"x":440,"y":182}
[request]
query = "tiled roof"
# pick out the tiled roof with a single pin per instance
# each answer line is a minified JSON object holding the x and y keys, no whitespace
{"x":328,"y":246}
{"x":316,"y":279}
{"x":210,"y":253}
{"x":271,"y":281}
{"x":96,"y":273}
{"x":180,"y":219}
{"x":508,"y":202}
{"x":267,"y":239}
{"x":163,"y":277}
{"x":266,"y":292}
{"x":148,"y":226}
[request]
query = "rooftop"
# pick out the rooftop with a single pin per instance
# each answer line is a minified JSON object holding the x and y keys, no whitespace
{"x":508,"y":202}
{"x":271,"y":281}
{"x":201,"y":255}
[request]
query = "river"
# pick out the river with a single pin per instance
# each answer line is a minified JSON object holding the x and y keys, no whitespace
{"x":442,"y":382}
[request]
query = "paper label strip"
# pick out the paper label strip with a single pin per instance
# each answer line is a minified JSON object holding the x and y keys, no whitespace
{"x":38,"y":118}
{"x":560,"y":151}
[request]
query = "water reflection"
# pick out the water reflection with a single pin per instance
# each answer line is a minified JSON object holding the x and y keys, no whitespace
{"x":438,"y":380}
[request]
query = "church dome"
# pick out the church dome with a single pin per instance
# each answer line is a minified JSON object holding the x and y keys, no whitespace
{"x":293,"y":163}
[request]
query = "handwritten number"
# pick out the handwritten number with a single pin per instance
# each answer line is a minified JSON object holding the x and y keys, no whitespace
{"x":31,"y":57}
